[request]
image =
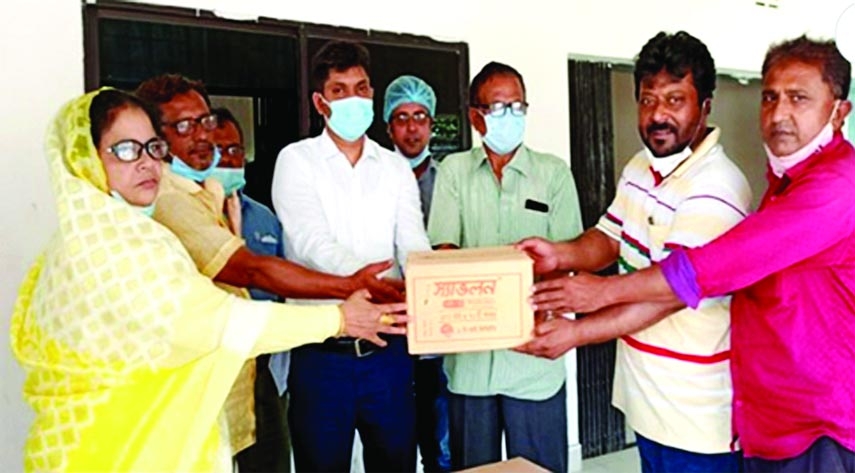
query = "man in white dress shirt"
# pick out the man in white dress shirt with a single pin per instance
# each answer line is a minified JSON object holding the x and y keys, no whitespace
{"x":343,"y":202}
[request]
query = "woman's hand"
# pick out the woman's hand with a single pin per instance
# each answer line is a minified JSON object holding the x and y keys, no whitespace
{"x":362,"y":319}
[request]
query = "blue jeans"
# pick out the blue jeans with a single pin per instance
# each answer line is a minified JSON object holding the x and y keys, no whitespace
{"x":334,"y":394}
{"x":432,"y":415}
{"x":658,"y":458}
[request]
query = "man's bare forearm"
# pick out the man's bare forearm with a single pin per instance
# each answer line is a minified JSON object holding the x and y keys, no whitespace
{"x":622,"y":319}
{"x":646,"y":285}
{"x":591,"y":251}
{"x":282,"y":277}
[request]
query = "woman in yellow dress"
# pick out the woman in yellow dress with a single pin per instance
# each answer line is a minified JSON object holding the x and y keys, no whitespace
{"x":130,"y":351}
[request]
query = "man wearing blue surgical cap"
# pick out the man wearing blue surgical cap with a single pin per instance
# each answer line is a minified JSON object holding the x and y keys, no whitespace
{"x":408,"y":109}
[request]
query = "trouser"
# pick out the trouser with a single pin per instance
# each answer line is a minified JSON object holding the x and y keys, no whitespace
{"x":432,"y":414}
{"x":534,"y":430}
{"x":824,"y":456}
{"x":333,"y":394}
{"x":659,"y":458}
{"x":272,"y":450}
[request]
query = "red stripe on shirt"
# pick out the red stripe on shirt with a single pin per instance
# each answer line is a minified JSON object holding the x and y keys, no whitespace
{"x":614,"y":219}
{"x":645,"y":251}
{"x":659,"y":351}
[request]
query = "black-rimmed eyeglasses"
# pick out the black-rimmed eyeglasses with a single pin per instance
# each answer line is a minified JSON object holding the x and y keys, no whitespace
{"x":130,"y":150}
{"x":188,"y":125}
{"x":498,"y":109}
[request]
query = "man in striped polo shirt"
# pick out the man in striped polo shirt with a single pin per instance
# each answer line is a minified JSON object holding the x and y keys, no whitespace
{"x":790,"y":267}
{"x":672,"y":378}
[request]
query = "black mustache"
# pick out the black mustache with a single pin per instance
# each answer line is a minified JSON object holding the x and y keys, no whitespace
{"x":201,"y":146}
{"x":653,"y":127}
{"x":778,"y":129}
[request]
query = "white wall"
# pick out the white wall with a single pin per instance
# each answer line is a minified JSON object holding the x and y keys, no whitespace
{"x":42,"y":60}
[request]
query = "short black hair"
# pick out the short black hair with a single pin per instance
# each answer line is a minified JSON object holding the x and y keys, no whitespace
{"x":677,"y":54}
{"x":487,"y":72}
{"x":106,"y":106}
{"x":836,"y":70}
{"x":224,"y":116}
{"x":337,"y":56}
{"x":161,"y":89}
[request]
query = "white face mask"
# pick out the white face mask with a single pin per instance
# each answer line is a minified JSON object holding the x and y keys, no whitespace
{"x":665,"y":165}
{"x":780,"y":164}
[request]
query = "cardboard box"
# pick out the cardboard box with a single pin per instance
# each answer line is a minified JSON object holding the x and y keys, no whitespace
{"x":514,"y":465}
{"x":468,"y":300}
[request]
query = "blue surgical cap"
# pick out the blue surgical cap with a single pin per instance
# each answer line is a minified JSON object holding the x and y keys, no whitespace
{"x":408,"y":89}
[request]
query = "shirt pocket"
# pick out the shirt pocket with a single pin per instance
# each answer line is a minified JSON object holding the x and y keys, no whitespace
{"x":264,"y":243}
{"x":658,"y":235}
{"x":533,"y":217}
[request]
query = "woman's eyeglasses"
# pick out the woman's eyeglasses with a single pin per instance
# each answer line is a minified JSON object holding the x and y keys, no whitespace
{"x":130,"y":150}
{"x":188,"y":125}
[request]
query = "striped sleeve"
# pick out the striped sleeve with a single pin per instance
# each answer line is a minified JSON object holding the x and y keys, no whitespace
{"x":720,"y":200}
{"x":611,"y":223}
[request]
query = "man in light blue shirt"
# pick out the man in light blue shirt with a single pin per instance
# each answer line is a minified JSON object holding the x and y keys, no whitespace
{"x":262,"y":232}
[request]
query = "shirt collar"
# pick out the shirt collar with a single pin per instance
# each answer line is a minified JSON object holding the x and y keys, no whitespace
{"x":703,"y":149}
{"x":431,"y":171}
{"x":329,"y":150}
{"x":799,"y":169}
{"x":521,"y":161}
{"x":187,"y":185}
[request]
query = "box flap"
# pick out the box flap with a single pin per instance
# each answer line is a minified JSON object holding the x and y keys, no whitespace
{"x":514,"y":465}
{"x":467,"y":255}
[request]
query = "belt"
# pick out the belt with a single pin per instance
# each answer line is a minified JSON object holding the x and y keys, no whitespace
{"x":358,"y":347}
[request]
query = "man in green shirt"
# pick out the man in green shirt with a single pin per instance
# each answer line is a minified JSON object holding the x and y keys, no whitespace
{"x":494,"y":195}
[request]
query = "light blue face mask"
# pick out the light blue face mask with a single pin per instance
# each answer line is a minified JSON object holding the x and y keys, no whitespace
{"x":232,"y":179}
{"x":184,"y":170}
{"x":505,"y":133}
{"x":350,"y":117}
{"x":147,"y":210}
{"x":417,"y":160}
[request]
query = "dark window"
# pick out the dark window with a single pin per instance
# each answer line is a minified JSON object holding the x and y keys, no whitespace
{"x":261,"y":67}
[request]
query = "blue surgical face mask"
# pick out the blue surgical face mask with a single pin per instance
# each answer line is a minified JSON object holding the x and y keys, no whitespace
{"x":505,"y":133}
{"x":416,"y":161}
{"x":147,"y":210}
{"x":350,"y":117}
{"x":184,"y":170}
{"x":232,"y":179}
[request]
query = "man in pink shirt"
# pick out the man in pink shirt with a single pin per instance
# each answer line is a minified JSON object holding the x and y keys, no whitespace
{"x":790,"y":267}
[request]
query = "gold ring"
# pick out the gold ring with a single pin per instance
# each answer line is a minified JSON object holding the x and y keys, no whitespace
{"x":387,"y":319}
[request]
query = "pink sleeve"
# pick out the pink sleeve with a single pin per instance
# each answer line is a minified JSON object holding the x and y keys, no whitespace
{"x":816,"y":212}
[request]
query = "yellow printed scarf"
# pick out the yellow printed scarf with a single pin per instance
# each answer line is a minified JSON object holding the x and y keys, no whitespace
{"x":109,"y":327}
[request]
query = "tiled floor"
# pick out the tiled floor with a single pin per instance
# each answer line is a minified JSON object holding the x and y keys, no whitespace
{"x":624,"y":461}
